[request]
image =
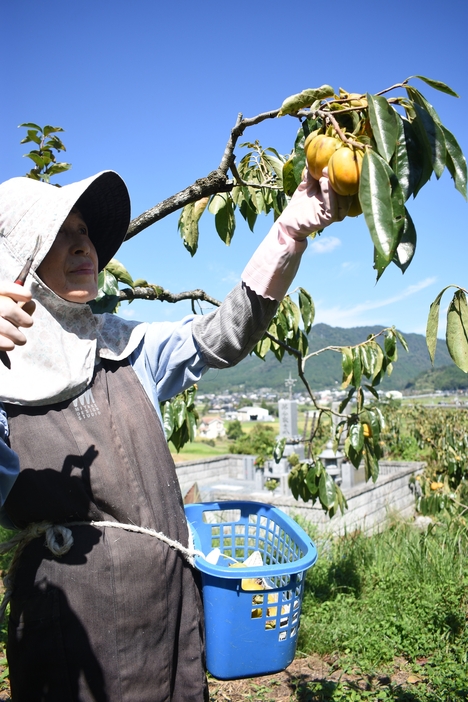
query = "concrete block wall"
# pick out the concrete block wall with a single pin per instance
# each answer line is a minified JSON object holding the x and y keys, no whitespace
{"x":369,"y":504}
{"x":210,"y":470}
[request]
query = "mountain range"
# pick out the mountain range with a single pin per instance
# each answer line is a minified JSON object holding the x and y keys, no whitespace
{"x":324,"y":371}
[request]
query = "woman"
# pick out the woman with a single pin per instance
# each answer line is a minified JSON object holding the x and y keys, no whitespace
{"x":118,"y":616}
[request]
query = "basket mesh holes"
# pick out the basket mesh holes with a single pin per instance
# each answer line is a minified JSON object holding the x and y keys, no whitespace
{"x":272,"y":598}
{"x":287,"y":595}
{"x":239,"y":554}
{"x":282,"y":636}
{"x":215,"y":543}
{"x":286,"y":609}
{"x":257,"y":599}
{"x":293,"y":632}
{"x":261,"y":544}
{"x":239,"y":529}
{"x":284,"y":622}
{"x":252,"y":542}
{"x":270,"y":624}
{"x":272,"y":611}
{"x":263,"y":521}
{"x":239,"y":541}
{"x":227,"y":542}
{"x":215,"y":531}
{"x":295,"y":617}
{"x":227,"y":530}
{"x":296,"y":604}
{"x":256,"y":613}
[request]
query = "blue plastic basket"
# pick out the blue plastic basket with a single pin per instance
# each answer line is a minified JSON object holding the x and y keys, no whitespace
{"x":250,"y":632}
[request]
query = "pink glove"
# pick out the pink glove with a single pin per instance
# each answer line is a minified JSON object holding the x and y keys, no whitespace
{"x":274,"y":264}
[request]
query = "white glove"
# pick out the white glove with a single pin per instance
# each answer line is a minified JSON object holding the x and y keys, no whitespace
{"x":274,"y":264}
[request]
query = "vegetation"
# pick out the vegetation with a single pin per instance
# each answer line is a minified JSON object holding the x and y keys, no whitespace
{"x":400,"y":594}
{"x":446,"y":378}
{"x":260,"y":442}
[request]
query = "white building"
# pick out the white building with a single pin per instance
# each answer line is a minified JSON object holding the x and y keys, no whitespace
{"x":254,"y":414}
{"x":211,"y":428}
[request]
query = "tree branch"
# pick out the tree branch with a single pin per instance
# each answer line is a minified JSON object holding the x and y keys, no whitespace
{"x":155,"y":292}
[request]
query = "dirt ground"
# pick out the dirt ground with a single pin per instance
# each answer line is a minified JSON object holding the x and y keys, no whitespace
{"x":286,"y":686}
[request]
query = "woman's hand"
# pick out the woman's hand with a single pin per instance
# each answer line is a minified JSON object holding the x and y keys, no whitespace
{"x":313,"y":206}
{"x":16,"y":308}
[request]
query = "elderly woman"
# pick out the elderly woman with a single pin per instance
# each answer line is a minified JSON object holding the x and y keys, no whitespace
{"x":118,"y":616}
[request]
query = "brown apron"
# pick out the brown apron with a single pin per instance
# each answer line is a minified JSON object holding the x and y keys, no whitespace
{"x":118,"y":618}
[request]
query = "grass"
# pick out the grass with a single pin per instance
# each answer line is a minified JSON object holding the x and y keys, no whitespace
{"x":401,"y":594}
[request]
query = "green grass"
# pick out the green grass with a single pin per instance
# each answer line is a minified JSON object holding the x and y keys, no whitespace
{"x":398,"y":594}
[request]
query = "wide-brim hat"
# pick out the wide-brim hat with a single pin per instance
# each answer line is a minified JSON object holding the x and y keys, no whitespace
{"x":31,"y":208}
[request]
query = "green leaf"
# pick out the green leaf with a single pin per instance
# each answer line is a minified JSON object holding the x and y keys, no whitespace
{"x":105,"y":304}
{"x":327,"y":490}
{"x":406,"y":161}
{"x":417,"y":97}
{"x":31,"y":125}
{"x":224,"y":217}
{"x":168,"y":420}
{"x":347,"y":366}
{"x":433,"y":136}
{"x":59,"y":168}
{"x":382,"y":203}
{"x":433,"y":325}
{"x":294,"y":103}
{"x":371,"y":464}
{"x":402,"y":340}
{"x":456,"y":162}
{"x":279,"y":450}
{"x":357,"y":368}
{"x":384,"y":124}
{"x":48,"y":129}
{"x":40,"y":161}
{"x":107,"y":284}
{"x":217,"y":203}
{"x":390,"y":346}
{"x":438,"y":85}
{"x":307,"y":308}
{"x":263,"y":346}
{"x":343,"y":404}
{"x":457,"y":330}
{"x":179,"y":410}
{"x":407,"y":247}
{"x":289,"y":180}
{"x":188,"y":224}
{"x":356,"y":436}
{"x":119,"y":272}
{"x":353,"y":455}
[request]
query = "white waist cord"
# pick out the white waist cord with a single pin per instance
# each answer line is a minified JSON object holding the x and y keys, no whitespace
{"x":55,"y":531}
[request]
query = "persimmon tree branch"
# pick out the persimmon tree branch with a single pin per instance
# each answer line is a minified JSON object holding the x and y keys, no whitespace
{"x":154,"y":292}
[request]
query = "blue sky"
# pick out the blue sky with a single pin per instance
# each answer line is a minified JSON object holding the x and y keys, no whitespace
{"x":152,"y":89}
